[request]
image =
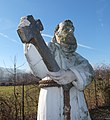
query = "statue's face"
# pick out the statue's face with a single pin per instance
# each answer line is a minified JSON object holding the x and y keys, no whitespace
{"x":65,"y":32}
{"x":65,"y":37}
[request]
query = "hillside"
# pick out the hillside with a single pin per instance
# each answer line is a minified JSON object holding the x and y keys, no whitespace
{"x":6,"y":73}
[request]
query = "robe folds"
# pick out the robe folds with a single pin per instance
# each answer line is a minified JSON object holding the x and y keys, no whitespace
{"x":50,"y":106}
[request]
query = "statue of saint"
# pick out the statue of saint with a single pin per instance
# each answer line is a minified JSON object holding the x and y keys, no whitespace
{"x":61,"y":95}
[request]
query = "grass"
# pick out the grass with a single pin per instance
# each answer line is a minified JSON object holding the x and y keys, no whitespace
{"x":6,"y":90}
{"x":8,"y":99}
{"x":9,"y":90}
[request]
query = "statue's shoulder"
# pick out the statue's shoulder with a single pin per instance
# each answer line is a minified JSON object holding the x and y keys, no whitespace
{"x":80,"y":58}
{"x":78,"y":55}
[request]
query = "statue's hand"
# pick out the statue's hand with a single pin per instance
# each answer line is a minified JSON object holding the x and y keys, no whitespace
{"x":62,"y":76}
{"x":23,"y":22}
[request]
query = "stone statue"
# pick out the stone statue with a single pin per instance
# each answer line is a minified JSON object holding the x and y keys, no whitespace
{"x":61,"y":95}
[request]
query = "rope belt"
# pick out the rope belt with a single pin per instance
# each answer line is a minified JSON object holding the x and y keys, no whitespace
{"x":48,"y":83}
{"x":66,"y":95}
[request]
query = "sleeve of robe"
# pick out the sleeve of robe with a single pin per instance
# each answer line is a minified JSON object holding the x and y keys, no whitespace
{"x":83,"y":71}
{"x":35,"y":61}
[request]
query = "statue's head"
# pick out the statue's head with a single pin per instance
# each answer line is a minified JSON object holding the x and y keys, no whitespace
{"x":64,"y":35}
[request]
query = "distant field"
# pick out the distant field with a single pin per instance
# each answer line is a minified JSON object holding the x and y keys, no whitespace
{"x":4,"y":89}
{"x":14,"y":102}
{"x":8,"y":90}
